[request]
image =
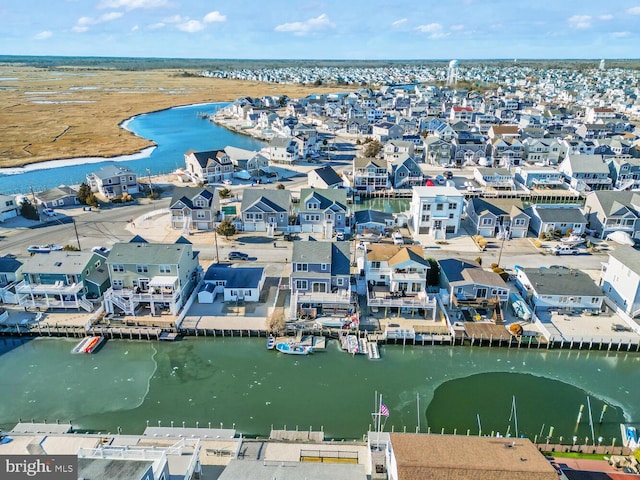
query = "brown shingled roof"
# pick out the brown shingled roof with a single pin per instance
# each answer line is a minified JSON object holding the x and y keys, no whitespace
{"x":453,"y":457}
{"x":384,"y":252}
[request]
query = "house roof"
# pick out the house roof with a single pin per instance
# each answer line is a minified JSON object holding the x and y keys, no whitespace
{"x":277,"y":200}
{"x":107,"y":468}
{"x":56,"y":193}
{"x":338,"y":253}
{"x":381,"y":252}
{"x":482,"y":277}
{"x":109,"y":171}
{"x":611,"y":202}
{"x":561,"y":281}
{"x":426,"y":457}
{"x":148,"y":253}
{"x":203,"y":158}
{"x":505,"y":130}
{"x":587,"y":164}
{"x":328,"y":175}
{"x":406,"y":254}
{"x":452,"y":268}
{"x":628,"y":256}
{"x":186,"y":195}
{"x":61,"y":262}
{"x":325,"y":196}
{"x":371,"y":216}
{"x":485,"y":171}
{"x":280,"y":142}
{"x":497,"y":206}
{"x":561,"y":215}
{"x":9,"y":264}
{"x":239,"y":277}
{"x":260,"y":470}
{"x":361,"y":162}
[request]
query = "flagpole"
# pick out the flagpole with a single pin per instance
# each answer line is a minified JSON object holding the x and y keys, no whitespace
{"x":379,"y":418}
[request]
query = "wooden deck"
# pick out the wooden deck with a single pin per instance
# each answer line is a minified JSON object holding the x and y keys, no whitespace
{"x":486,"y":331}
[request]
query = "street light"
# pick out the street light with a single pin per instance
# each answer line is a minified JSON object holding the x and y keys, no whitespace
{"x":150,"y":184}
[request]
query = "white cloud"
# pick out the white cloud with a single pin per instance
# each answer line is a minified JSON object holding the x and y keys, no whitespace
{"x":135,"y":28}
{"x":156,"y":26}
{"x":633,"y":11}
{"x":213,"y":17}
{"x":321,"y":22}
{"x":83,"y":23}
{"x":580,"y":21}
{"x":605,"y":17}
{"x":429,"y":28}
{"x":80,"y":29}
{"x":620,"y":34}
{"x":399,"y":23}
{"x":43,"y":35}
{"x":191,"y":26}
{"x":133,"y":4}
{"x":457,"y":27}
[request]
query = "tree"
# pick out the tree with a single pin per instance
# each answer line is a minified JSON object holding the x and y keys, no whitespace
{"x":433,"y":274}
{"x":373,"y":149}
{"x":224,"y":193}
{"x":226,"y":229}
{"x":86,"y":196}
{"x":280,"y":186}
{"x":29,"y":211}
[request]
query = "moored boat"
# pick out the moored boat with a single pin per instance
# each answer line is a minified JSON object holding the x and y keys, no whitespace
{"x":294,"y":349}
{"x":271,"y":342}
{"x":88,"y":345}
{"x":43,"y":248}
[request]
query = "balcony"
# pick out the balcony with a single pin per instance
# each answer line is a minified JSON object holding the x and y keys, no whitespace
{"x":58,"y":288}
{"x":382,"y":296}
{"x":480,"y":302}
{"x":152,"y":295}
{"x":341,"y":297}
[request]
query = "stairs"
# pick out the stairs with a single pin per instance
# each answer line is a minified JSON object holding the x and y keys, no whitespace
{"x":85,"y":304}
{"x":497,"y":315}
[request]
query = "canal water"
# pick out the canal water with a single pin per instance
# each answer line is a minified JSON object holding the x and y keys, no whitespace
{"x":175,"y":131}
{"x":234,"y":381}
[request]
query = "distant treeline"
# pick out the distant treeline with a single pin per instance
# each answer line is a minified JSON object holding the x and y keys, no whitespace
{"x":134,"y":63}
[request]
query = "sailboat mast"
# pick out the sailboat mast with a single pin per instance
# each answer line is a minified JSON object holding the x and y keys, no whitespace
{"x":515,"y":414}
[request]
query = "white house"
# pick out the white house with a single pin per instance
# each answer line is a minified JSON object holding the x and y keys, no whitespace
{"x":235,"y":284}
{"x":620,"y":279}
{"x":8,"y":207}
{"x":435,"y":211}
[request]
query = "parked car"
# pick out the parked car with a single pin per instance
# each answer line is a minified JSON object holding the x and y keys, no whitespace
{"x":448,"y":174}
{"x":237,"y":256}
{"x":49,"y":212}
{"x":564,"y":250}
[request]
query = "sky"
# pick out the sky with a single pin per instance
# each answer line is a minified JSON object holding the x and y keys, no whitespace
{"x":322,"y":29}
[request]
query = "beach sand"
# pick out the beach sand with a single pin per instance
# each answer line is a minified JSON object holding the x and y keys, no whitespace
{"x":50,"y":114}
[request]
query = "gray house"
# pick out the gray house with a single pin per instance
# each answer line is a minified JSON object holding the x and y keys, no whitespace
{"x":194,"y":207}
{"x":609,"y":211}
{"x":554,"y":218}
{"x":323,"y":210}
{"x":586,"y":172}
{"x":57,"y":197}
{"x":404,"y":172}
{"x":113,"y":180}
{"x":497,"y":217}
{"x":324,"y":177}
{"x":373,"y":221}
{"x":265,"y":210}
{"x":320,"y":279}
{"x":211,"y":167}
{"x":235,"y":284}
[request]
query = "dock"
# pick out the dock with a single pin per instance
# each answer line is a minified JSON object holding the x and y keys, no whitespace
{"x":168,"y":336}
{"x":373,"y":351}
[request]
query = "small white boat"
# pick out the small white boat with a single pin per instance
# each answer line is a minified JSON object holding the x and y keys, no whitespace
{"x":43,"y":248}
{"x":573,"y":240}
{"x":294,"y":349}
{"x":271,"y":342}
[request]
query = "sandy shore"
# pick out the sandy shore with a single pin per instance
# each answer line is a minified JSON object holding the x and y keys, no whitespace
{"x":52,"y":114}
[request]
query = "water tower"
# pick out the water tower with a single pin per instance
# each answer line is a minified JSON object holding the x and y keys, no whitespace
{"x":452,"y":73}
{"x":602,"y":65}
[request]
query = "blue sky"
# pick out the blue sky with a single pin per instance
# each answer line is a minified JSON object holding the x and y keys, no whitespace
{"x":317,"y":29}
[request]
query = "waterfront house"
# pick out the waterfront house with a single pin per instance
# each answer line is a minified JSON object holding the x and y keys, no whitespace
{"x":150,"y":278}
{"x":241,"y":284}
{"x":468,"y":149}
{"x":320,"y":279}
{"x":435,"y":211}
{"x":495,"y":178}
{"x":370,"y":174}
{"x":404,"y":172}
{"x":437,"y":151}
{"x":8,"y":207}
{"x":373,"y":222}
{"x":265,"y":210}
{"x":539,"y":177}
{"x":586,"y":172}
{"x":213,"y":166}
{"x":625,"y":172}
{"x":113,"y":180}
{"x":620,"y":279}
{"x":284,"y":150}
{"x":503,"y":218}
{"x":395,"y":149}
{"x":610,"y":211}
{"x":506,"y":152}
{"x":60,"y":280}
{"x":250,"y":161}
{"x":323,"y":210}
{"x":194,"y":207}
{"x":412,"y":456}
{"x":324,"y":177}
{"x":396,"y":277}
{"x":556,"y":219}
{"x":57,"y":197}
{"x":559,"y":289}
{"x":10,"y":275}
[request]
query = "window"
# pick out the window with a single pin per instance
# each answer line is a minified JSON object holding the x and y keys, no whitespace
{"x":453,"y":206}
{"x":201,"y":215}
{"x":487,"y":221}
{"x":142,"y":268}
{"x":425,"y":218}
{"x":302,"y":267}
{"x":451,"y":216}
{"x":323,"y":267}
{"x":117,"y":284}
{"x":312,"y":206}
{"x":301,"y":285}
{"x":340,"y":281}
{"x":117,"y":267}
{"x":200,"y":202}
{"x":518,"y":222}
{"x":165,"y":268}
{"x":595,"y":300}
{"x":439,"y":206}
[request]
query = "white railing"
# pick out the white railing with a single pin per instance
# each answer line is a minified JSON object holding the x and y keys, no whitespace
{"x":58,"y":288}
{"x":342,"y":296}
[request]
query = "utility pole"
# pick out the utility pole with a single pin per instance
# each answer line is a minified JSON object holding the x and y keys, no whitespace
{"x":215,"y":237}
{"x":76,"y":230}
{"x":150,"y":184}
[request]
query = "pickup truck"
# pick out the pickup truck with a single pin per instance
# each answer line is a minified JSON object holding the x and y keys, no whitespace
{"x":564,"y":250}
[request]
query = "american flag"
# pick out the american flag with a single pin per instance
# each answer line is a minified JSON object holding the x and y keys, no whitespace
{"x":384,"y":410}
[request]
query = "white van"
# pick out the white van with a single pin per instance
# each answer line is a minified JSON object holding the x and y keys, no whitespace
{"x":397,"y":238}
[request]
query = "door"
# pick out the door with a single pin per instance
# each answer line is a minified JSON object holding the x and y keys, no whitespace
{"x":143,"y":283}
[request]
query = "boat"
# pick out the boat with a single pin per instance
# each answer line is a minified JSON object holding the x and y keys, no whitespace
{"x":573,"y":240}
{"x":373,"y":351}
{"x":44,"y":248}
{"x":337,"y":322}
{"x":294,"y":349}
{"x":629,"y":436}
{"x":88,"y":345}
{"x":271,"y":342}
